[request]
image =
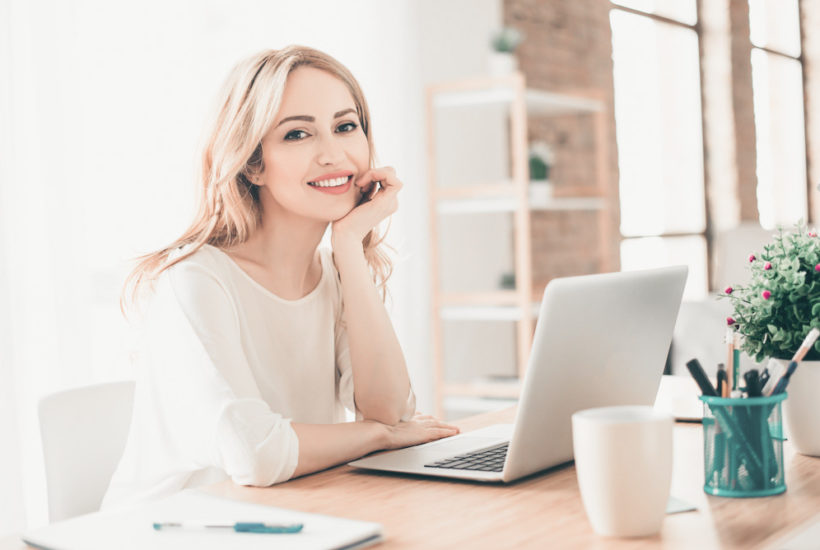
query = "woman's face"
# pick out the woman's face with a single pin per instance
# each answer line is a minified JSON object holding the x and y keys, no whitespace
{"x":315,"y":148}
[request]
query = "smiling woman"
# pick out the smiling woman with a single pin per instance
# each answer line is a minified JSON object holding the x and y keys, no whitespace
{"x":254,"y":338}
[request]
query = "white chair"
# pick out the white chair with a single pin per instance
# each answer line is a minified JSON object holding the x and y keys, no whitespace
{"x":84,"y":432}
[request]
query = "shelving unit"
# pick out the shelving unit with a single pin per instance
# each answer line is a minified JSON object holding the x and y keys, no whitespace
{"x":510,"y":195}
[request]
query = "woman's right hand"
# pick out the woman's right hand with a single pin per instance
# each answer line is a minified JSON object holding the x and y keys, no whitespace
{"x":419,"y":429}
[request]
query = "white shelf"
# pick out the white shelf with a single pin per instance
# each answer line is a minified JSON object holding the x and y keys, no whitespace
{"x":510,"y":204}
{"x":485,"y":313}
{"x":476,"y":404}
{"x":538,"y":102}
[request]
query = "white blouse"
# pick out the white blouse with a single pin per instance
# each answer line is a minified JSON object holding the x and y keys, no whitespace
{"x":223,"y":366}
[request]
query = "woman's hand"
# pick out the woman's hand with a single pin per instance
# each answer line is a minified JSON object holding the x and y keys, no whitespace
{"x":379,"y":188}
{"x":420,"y":429}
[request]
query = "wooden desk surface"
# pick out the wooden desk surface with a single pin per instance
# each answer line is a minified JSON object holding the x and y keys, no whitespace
{"x":539,"y":511}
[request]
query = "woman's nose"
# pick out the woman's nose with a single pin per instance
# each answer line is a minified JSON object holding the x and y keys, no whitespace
{"x":330,"y":151}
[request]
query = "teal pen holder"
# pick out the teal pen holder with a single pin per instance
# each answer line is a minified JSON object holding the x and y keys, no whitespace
{"x":743,"y":446}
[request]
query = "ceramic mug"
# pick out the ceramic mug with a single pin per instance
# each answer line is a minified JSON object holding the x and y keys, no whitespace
{"x":623,"y":459}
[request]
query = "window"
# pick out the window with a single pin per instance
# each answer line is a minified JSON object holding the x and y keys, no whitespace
{"x":777,"y":81}
{"x":660,"y":137}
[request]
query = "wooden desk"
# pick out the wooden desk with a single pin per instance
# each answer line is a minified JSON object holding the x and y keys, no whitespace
{"x":540,"y":511}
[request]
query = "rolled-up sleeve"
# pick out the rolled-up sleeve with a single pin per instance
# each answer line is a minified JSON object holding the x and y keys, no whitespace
{"x":208,"y":403}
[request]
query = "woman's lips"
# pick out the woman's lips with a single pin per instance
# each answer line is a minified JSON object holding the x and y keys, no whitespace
{"x":338,"y":190}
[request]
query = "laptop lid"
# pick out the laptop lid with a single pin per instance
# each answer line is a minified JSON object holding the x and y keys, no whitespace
{"x":600,"y":340}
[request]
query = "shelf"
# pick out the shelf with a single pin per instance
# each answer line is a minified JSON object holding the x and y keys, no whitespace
{"x":538,"y":102}
{"x":501,"y":197}
{"x":476,"y":405}
{"x":495,"y":389}
{"x":510,"y":204}
{"x":485,"y":313}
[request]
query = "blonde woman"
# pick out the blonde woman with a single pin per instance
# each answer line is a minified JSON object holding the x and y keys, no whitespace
{"x":254,"y":338}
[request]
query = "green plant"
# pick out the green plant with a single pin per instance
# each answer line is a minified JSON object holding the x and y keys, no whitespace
{"x":507,"y":39}
{"x":781,"y":304}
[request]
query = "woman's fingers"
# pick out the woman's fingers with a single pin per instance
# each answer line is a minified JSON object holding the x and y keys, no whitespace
{"x":378,"y":179}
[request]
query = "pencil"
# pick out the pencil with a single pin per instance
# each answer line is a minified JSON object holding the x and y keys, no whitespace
{"x":730,"y":360}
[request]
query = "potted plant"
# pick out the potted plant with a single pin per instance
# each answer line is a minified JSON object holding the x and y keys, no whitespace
{"x":775,"y":311}
{"x":502,"y":59}
{"x":540,"y":164}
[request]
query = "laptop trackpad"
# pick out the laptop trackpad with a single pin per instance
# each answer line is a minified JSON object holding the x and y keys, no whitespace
{"x":485,"y":437}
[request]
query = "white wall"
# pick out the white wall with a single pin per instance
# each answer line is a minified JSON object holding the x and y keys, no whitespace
{"x":102,"y":106}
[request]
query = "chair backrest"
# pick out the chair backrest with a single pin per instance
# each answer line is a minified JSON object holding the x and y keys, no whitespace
{"x":84,"y":431}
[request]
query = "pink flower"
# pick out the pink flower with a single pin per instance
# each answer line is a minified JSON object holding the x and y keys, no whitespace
{"x":766,"y":294}
{"x":812,"y":234}
{"x":817,"y":267}
{"x":730,"y":321}
{"x":752,"y":257}
{"x":728,"y":291}
{"x":767,"y":266}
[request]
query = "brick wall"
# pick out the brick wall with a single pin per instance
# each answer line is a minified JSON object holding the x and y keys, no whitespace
{"x":568,"y":49}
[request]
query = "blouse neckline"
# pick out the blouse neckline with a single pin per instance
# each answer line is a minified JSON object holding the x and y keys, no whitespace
{"x":267,"y":292}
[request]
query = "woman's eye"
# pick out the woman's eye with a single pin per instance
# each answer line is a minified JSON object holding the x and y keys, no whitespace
{"x":293,"y":135}
{"x":350,"y":125}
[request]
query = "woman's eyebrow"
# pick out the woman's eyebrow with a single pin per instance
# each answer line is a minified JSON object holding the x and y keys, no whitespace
{"x":308,"y":118}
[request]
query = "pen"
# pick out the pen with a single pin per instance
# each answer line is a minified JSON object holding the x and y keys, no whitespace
{"x":752,"y":378}
{"x":722,"y":381}
{"x":239,"y":527}
{"x":735,"y":359}
{"x":730,"y":359}
{"x":808,"y":342}
{"x":700,"y":377}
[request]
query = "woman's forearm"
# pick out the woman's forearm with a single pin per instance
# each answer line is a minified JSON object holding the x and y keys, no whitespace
{"x":322,"y":446}
{"x":379,"y":369}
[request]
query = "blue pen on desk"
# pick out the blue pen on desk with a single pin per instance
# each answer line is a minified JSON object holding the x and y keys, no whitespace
{"x":239,"y":527}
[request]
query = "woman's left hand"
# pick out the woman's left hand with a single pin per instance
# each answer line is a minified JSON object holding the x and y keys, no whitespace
{"x":379,"y":188}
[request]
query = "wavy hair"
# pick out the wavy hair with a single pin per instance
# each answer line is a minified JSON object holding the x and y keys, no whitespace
{"x":229,"y":206}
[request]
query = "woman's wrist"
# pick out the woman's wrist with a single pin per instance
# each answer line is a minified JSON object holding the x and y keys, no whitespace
{"x":381,"y":434}
{"x":340,"y":239}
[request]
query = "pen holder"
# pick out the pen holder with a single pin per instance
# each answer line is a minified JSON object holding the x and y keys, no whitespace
{"x":743,"y":446}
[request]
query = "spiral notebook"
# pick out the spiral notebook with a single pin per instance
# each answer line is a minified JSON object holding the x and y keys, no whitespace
{"x":133,"y":528}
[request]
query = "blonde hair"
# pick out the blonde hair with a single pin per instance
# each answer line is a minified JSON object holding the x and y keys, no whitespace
{"x":229,"y":207}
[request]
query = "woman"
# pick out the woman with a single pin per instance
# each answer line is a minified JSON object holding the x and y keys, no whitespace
{"x":255,"y":338}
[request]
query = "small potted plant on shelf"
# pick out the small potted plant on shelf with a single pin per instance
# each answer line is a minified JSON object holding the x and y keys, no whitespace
{"x":502,"y":60}
{"x":775,"y":311}
{"x":540,"y":164}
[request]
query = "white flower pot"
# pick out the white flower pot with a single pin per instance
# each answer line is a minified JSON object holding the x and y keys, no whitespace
{"x":501,"y":63}
{"x":802,"y":408}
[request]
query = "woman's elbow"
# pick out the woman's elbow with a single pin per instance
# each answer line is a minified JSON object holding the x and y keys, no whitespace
{"x":255,"y":475}
{"x":386,"y":415}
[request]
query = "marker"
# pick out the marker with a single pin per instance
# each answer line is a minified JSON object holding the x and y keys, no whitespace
{"x":239,"y":527}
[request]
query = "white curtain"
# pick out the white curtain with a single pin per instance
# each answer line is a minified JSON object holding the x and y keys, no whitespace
{"x":101,"y":110}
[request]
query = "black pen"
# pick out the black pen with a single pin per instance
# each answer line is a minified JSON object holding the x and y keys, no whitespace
{"x":752,"y":379}
{"x":700,"y":377}
{"x":722,"y":381}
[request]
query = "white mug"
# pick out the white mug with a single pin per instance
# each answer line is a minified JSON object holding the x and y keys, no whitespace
{"x":623,"y":459}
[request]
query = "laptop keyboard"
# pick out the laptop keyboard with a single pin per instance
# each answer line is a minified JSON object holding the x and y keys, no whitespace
{"x":490,"y":459}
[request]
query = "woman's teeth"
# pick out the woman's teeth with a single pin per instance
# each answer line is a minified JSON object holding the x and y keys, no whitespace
{"x":335,"y":182}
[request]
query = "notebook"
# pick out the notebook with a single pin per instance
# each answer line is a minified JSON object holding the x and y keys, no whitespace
{"x":133,"y":528}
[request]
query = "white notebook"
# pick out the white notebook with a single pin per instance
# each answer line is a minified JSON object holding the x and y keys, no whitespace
{"x":133,"y":528}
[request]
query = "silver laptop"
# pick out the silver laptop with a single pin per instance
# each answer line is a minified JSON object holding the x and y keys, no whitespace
{"x":600,"y":340}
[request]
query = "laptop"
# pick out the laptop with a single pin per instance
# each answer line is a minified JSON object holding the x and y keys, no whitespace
{"x":600,"y":340}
